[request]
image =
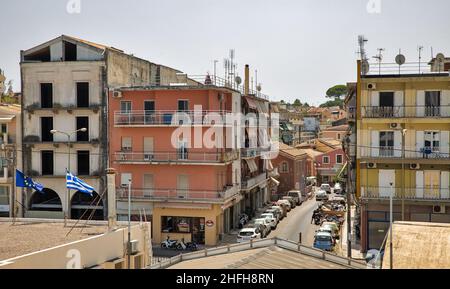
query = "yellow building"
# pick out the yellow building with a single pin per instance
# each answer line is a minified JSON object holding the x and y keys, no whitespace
{"x":403,"y":126}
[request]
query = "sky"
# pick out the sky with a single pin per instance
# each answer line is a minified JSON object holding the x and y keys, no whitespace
{"x":299,"y":47}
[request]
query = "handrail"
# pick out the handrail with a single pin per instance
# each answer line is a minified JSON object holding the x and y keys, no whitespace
{"x":177,"y":194}
{"x":405,"y":111}
{"x":176,"y":156}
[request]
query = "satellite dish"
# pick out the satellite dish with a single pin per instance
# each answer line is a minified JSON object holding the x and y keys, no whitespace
{"x":258,"y":87}
{"x":238,"y":80}
{"x":365,"y":67}
{"x":440,"y":56}
{"x":400,"y":59}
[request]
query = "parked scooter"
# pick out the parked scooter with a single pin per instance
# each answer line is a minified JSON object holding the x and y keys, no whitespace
{"x":186,"y":246}
{"x":181,"y":245}
{"x":243,"y":219}
{"x":169,"y":244}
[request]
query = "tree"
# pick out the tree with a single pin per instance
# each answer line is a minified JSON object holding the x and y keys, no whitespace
{"x":337,"y":91}
{"x":297,"y":102}
{"x":282,"y":101}
{"x":306,"y":104}
{"x":332,"y":103}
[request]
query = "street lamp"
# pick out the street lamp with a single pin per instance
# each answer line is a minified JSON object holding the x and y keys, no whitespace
{"x":404,"y":131}
{"x":129,"y":225}
{"x":390,"y":227}
{"x":68,"y":134}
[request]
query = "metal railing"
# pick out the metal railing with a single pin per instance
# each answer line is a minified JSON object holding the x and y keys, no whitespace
{"x":409,"y":68}
{"x":430,"y":193}
{"x":253,"y":181}
{"x":262,"y":243}
{"x":174,"y":156}
{"x":176,"y":194}
{"x":166,"y":117}
{"x":405,"y":111}
{"x":413,"y":153}
{"x":253,"y":152}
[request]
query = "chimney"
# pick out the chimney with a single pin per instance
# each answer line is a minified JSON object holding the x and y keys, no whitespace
{"x":111,"y":183}
{"x":247,"y":80}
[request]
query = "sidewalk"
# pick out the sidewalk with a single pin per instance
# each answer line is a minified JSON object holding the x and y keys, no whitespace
{"x":356,"y":248}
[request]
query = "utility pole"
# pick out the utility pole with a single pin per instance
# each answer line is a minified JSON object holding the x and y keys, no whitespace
{"x":390,"y":227}
{"x":129,"y":226}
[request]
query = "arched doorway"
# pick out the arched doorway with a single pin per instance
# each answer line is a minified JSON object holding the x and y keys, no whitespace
{"x":84,"y":206}
{"x":47,"y":200}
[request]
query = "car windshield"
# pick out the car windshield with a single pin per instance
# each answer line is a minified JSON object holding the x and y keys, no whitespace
{"x":246,"y":233}
{"x":267,"y":215}
{"x":322,"y":238}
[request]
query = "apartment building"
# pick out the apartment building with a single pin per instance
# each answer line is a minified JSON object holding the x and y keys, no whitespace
{"x":10,"y":140}
{"x":64,"y":125}
{"x":403,"y":126}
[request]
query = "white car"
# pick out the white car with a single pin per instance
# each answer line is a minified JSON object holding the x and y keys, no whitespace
{"x":266,"y":223}
{"x":321,"y":195}
{"x":247,"y":234}
{"x":338,"y":189}
{"x":326,"y":188}
{"x":271,"y":218}
{"x":285,"y":203}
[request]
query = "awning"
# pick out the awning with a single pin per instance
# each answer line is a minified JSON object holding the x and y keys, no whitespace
{"x":341,"y":172}
{"x":262,"y":107}
{"x":268,"y":165}
{"x":275,"y":181}
{"x":252,"y":165}
{"x":252,"y":103}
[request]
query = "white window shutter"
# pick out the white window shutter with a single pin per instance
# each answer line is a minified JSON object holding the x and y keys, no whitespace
{"x":419,"y":184}
{"x":420,"y":142}
{"x":444,"y":143}
{"x":397,"y":144}
{"x":375,"y":143}
{"x":398,"y":103}
{"x":375,"y":98}
{"x":445,"y":184}
{"x":124,"y":178}
{"x":445,"y":103}
{"x":420,"y":103}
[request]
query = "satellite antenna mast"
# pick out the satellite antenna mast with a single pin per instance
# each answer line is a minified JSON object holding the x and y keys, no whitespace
{"x":420,"y":48}
{"x":362,"y":50}
{"x":379,"y":58}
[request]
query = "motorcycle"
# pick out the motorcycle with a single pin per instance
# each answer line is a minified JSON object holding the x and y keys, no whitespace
{"x":192,"y":246}
{"x":186,"y":246}
{"x":169,"y":244}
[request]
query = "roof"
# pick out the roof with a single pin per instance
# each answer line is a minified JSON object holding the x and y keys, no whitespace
{"x":343,"y":127}
{"x":272,"y":257}
{"x":312,"y":153}
{"x":291,"y":151}
{"x":22,"y":237}
{"x":419,"y":246}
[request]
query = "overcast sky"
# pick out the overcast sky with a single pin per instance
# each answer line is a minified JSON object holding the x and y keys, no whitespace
{"x":299,"y":47}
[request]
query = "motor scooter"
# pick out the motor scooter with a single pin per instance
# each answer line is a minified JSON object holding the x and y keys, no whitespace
{"x":169,"y":244}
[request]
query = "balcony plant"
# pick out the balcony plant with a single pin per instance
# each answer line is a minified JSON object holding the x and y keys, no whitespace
{"x":31,"y":138}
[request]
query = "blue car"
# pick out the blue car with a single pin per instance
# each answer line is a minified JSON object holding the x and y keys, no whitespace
{"x":324,"y":241}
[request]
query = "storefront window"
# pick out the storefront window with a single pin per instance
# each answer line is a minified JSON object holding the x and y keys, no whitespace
{"x":182,"y":225}
{"x":4,"y":196}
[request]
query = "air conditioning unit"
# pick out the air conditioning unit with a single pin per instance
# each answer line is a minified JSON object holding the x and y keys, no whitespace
{"x":371,"y":86}
{"x":439,"y":209}
{"x":395,"y":125}
{"x":414,"y":166}
{"x":372,"y":165}
{"x":134,"y":246}
{"x":117,"y":94}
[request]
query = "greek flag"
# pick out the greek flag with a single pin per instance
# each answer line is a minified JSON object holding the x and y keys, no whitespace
{"x":74,"y":183}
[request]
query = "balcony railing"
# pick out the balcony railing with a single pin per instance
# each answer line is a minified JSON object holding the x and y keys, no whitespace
{"x":251,"y":182}
{"x":154,"y":194}
{"x":253,"y":152}
{"x":413,"y":153}
{"x":430,"y":193}
{"x":442,"y":111}
{"x":186,"y":157}
{"x":165,"y":118}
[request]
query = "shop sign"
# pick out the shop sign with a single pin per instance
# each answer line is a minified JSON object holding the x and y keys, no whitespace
{"x":210,"y":223}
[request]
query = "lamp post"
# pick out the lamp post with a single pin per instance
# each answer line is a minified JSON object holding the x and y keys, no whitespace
{"x":390,"y":227}
{"x":129,"y":225}
{"x":403,"y":172}
{"x":68,"y":134}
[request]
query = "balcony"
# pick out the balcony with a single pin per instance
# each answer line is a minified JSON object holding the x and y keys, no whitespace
{"x":442,"y":111}
{"x":155,"y":195}
{"x":176,"y":157}
{"x":410,"y":194}
{"x":144,"y":118}
{"x":4,"y":176}
{"x":250,"y":182}
{"x":433,"y":154}
{"x":247,"y":153}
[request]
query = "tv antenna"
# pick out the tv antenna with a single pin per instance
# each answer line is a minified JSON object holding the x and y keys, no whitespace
{"x":379,"y":58}
{"x":362,"y":50}
{"x":420,"y":48}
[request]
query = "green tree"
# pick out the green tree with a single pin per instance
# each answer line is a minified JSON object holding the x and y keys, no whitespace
{"x":332,"y":103}
{"x":297,"y":102}
{"x":337,"y":91}
{"x":306,"y":104}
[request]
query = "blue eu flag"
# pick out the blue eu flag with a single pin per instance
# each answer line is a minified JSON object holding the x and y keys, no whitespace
{"x":27,"y":182}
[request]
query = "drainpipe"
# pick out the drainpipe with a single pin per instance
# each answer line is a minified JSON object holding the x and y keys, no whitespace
{"x":111,"y":183}
{"x":247,"y":80}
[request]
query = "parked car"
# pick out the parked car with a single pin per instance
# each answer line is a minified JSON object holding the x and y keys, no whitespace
{"x":271,"y":218}
{"x":284,"y":203}
{"x":297,"y":195}
{"x":282,"y":210}
{"x":261,"y":227}
{"x":291,"y":200}
{"x":275,"y":213}
{"x":267,"y":227}
{"x":323,"y":241}
{"x":248,"y":234}
{"x":321,"y":196}
{"x":326,"y":188}
{"x":332,"y":224}
{"x":334,"y":233}
{"x":338,"y":189}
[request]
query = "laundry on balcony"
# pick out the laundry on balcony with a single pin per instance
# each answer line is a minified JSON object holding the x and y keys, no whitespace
{"x":253,"y":167}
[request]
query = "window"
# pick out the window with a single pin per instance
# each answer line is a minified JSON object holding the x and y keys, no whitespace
{"x":338,"y":136}
{"x":46,"y":127}
{"x":125,"y":106}
{"x":46,"y":95}
{"x":4,"y":128}
{"x":70,"y":51}
{"x":4,"y":195}
{"x":83,"y":163}
{"x":339,"y":159}
{"x":386,"y":104}
{"x":148,"y":184}
{"x":182,"y":150}
{"x":183,"y":105}
{"x":326,"y":159}
{"x":284,"y":167}
{"x":182,"y":225}
{"x":82,"y":94}
{"x":386,"y":143}
{"x":127,"y":143}
{"x":83,"y":122}
{"x":432,"y":103}
{"x":47,"y":163}
{"x":124,"y":177}
{"x":432,"y":141}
